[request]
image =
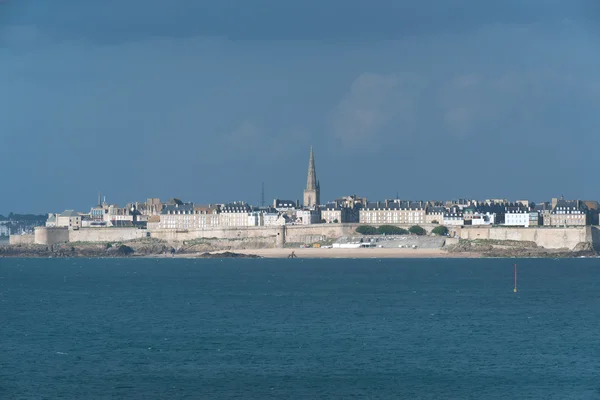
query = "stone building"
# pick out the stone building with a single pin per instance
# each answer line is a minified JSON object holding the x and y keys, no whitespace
{"x":393,"y":212}
{"x":186,"y":216}
{"x":235,"y":214}
{"x":335,"y":213}
{"x":568,"y":213}
{"x":434,"y":214}
{"x":67,"y":219}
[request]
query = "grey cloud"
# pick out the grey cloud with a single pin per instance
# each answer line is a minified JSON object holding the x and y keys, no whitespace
{"x":372,"y":102}
{"x":112,"y":21}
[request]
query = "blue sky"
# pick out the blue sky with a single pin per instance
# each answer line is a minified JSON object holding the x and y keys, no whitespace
{"x":204,"y":100}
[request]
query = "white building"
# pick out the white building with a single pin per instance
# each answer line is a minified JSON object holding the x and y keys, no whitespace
{"x":273,"y":219}
{"x":454,"y":219}
{"x":483,"y":219}
{"x":516,"y":218}
{"x":307,"y":217}
{"x":4,"y":231}
{"x":255,"y":219}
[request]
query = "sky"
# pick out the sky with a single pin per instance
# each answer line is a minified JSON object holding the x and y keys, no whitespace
{"x":206,"y":100}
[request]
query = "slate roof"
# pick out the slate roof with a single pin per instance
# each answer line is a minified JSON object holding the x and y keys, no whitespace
{"x":69,"y":213}
{"x":184,"y":208}
{"x":236,"y":208}
{"x":284,"y":203}
{"x":569,"y":205}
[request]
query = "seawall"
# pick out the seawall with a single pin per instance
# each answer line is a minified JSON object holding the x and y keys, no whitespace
{"x":547,"y":237}
{"x":18,"y":240}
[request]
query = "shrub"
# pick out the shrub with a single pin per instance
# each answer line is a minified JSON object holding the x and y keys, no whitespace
{"x":335,"y":221}
{"x":435,"y":221}
{"x":366,"y":230}
{"x":417,"y":230}
{"x":391,"y":230}
{"x":440,"y":230}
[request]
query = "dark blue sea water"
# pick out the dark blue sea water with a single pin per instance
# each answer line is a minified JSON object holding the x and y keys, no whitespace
{"x":299,"y":329}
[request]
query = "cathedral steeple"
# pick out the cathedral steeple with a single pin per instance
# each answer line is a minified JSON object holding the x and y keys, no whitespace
{"x":311,"y":181}
{"x":312,"y":191}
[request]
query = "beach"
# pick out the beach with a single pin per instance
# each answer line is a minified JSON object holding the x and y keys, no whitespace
{"x":356,"y":253}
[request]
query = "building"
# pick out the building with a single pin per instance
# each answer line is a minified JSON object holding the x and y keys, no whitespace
{"x":516,"y":216}
{"x":479,"y":219}
{"x":51,"y":221}
{"x":68,"y":219}
{"x":434,"y":214}
{"x":178,"y":215}
{"x":307,"y":216}
{"x":207,"y":216}
{"x":312,"y":193}
{"x":333,"y":213}
{"x":235,"y":214}
{"x":393,"y":212}
{"x":186,"y":216}
{"x":568,"y":213}
{"x":4,"y":229}
{"x":285,"y":205}
{"x":454,"y":217}
{"x":271,"y":217}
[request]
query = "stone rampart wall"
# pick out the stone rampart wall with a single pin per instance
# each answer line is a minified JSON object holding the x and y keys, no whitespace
{"x":547,"y":237}
{"x":51,"y":236}
{"x":17,"y":240}
{"x":106,"y":234}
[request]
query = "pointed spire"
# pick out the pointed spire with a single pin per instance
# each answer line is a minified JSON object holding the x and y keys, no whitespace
{"x":311,"y":181}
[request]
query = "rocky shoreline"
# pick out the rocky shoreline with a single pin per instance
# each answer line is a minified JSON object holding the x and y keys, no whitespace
{"x":108,"y":251}
{"x":518,"y":249}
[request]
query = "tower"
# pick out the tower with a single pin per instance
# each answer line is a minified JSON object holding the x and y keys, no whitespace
{"x":312,"y":193}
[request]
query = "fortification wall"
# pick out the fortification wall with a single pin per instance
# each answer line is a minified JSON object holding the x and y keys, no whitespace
{"x":276,"y":234}
{"x":106,"y":234}
{"x":547,"y":237}
{"x":51,"y":236}
{"x":17,"y":240}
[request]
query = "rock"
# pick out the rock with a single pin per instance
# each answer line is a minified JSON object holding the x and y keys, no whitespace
{"x":227,"y":254}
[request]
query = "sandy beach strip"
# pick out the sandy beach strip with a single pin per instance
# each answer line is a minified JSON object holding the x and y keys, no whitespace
{"x":356,"y":253}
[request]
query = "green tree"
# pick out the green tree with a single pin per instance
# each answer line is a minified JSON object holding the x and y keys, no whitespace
{"x":335,"y":221}
{"x":391,"y":230}
{"x":366,"y":230}
{"x":417,"y":230}
{"x":440,"y":230}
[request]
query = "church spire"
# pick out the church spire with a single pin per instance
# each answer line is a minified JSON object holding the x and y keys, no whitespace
{"x":312,"y":192}
{"x":311,"y":181}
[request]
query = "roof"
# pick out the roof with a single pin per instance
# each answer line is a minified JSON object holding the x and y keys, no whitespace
{"x":436,"y":209}
{"x":175,"y":208}
{"x":69,"y":213}
{"x":236,"y":208}
{"x":569,"y":205}
{"x":206,"y":208}
{"x":284,"y":203}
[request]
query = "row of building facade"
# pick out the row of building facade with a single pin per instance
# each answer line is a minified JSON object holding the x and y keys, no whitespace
{"x":179,"y":215}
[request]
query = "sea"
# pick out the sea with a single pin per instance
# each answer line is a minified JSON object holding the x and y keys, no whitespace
{"x":299,"y":329}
